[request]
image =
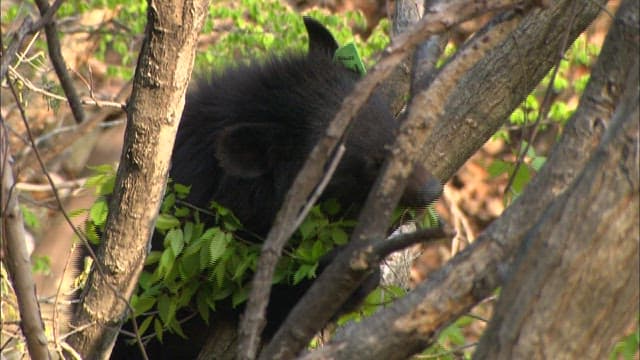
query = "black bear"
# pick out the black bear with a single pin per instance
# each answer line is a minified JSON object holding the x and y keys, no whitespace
{"x":245,"y":134}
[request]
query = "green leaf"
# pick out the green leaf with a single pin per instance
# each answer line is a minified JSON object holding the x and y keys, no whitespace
{"x":217,"y":246}
{"x":339,"y":236}
{"x":538,"y":162}
{"x":144,"y":325}
{"x":517,"y":117}
{"x":165,"y":222}
{"x":521,"y":179}
{"x":317,"y":250}
{"x":106,"y":187}
{"x":304,"y":271}
{"x":219,"y":273}
{"x":188,"y":232}
{"x":143,"y":304}
{"x":146,"y":280}
{"x":41,"y":264}
{"x":219,"y":295}
{"x":77,"y":212}
{"x":153,"y":257}
{"x":203,"y":306}
{"x":560,"y":83}
{"x":182,"y":191}
{"x":168,"y":202}
{"x":307,"y":228}
{"x":182,"y":212}
{"x":499,"y":167}
{"x":452,"y":334}
{"x":166,"y":262}
{"x":331,"y":207}
{"x":91,"y":231}
{"x":30,"y":219}
{"x":99,"y":211}
{"x":245,"y":263}
{"x":175,"y":239}
{"x":194,"y":247}
{"x":158,"y":328}
{"x":189,"y":266}
{"x":581,"y":83}
{"x":177,"y":328}
{"x":164,"y":308}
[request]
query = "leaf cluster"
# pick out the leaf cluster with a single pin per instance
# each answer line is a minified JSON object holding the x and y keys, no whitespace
{"x":208,"y":258}
{"x":251,"y":29}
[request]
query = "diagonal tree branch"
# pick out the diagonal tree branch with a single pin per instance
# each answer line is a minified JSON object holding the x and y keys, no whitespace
{"x":287,"y":342}
{"x":412,"y":323}
{"x":53,"y":45}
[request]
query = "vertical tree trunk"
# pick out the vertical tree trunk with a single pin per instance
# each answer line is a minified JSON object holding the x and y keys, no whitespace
{"x":575,"y":286}
{"x":161,"y":78}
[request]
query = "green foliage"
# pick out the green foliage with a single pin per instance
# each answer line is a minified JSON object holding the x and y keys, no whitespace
{"x":531,"y":164}
{"x":567,"y":85}
{"x":527,"y":112}
{"x":448,"y":52}
{"x":425,"y":219}
{"x":377,"y":299}
{"x":559,"y":112}
{"x":30,"y":219}
{"x":173,"y":279}
{"x":41,"y":265}
{"x":202,"y":266}
{"x":627,"y":348}
{"x":257,"y":28}
{"x":102,"y":182}
{"x":451,"y":343}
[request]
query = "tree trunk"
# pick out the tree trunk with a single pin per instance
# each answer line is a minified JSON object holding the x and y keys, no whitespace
{"x":574,"y":287}
{"x":163,"y":72}
{"x":589,"y":269}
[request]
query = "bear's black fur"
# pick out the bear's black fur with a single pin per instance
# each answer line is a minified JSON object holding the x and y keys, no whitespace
{"x":245,"y":134}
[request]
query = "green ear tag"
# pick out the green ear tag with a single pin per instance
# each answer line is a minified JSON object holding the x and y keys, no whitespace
{"x":348,"y":56}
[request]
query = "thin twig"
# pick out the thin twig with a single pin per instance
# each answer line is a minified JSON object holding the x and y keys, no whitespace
{"x":324,"y":181}
{"x":69,"y":184}
{"x":9,"y":55}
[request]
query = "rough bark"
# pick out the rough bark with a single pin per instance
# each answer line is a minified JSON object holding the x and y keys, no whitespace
{"x":163,"y":71}
{"x":546,"y":41}
{"x":314,"y":169}
{"x":315,"y":309}
{"x":574,"y":287}
{"x":412,"y":323}
{"x":490,"y":91}
{"x":12,"y":238}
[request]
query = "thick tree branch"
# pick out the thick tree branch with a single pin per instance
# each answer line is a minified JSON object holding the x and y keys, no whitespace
{"x":162,"y":73}
{"x":488,"y":93}
{"x":411,"y":323}
{"x":385,"y":195}
{"x":585,"y":247}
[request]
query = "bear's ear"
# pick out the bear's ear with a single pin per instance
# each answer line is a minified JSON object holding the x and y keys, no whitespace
{"x":320,"y":39}
{"x":246,"y":150}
